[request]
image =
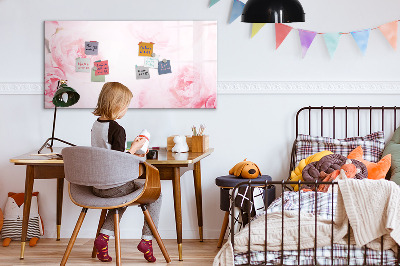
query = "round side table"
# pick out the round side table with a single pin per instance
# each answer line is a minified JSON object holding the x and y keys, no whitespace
{"x":228,"y":182}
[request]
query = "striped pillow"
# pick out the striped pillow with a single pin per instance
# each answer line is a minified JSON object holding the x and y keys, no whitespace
{"x":372,"y":145}
{"x":13,"y":228}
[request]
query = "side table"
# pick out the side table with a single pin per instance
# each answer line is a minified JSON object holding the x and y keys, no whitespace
{"x":226,"y":183}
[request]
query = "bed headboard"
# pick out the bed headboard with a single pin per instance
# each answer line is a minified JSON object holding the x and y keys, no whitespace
{"x":344,"y":121}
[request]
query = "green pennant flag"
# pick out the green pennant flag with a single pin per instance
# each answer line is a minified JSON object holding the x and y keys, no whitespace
{"x":213,"y":2}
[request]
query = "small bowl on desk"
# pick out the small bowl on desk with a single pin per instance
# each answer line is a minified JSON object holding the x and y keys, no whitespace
{"x":152,"y":155}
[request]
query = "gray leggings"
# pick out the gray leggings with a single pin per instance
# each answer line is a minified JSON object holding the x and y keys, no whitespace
{"x":154,"y":208}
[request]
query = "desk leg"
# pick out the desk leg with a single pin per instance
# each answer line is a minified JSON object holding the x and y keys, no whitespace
{"x":27,"y":206}
{"x":199,"y":204}
{"x":60,"y":190}
{"x":176,"y":183}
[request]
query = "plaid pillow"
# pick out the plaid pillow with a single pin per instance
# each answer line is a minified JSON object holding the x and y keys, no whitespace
{"x":372,"y":145}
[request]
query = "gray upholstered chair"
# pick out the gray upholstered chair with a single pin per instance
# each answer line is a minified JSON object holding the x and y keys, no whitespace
{"x":85,"y":167}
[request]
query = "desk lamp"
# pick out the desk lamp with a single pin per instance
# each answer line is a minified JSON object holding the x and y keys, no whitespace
{"x":64,"y":97}
{"x":273,"y":11}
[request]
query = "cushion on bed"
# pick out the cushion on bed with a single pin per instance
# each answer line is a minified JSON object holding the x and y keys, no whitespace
{"x":372,"y":144}
{"x":393,"y":148}
{"x":375,"y":170}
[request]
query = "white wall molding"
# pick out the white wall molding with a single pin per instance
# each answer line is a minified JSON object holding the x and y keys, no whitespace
{"x":260,"y":87}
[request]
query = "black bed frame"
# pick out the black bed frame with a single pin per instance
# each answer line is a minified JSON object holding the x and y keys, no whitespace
{"x":333,"y":112}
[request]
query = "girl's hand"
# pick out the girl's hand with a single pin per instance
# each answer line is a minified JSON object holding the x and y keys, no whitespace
{"x":142,"y":155}
{"x":137,"y":144}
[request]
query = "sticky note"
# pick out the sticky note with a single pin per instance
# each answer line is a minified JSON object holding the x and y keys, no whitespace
{"x":101,"y":67}
{"x":164,"y":67}
{"x":100,"y":78}
{"x":151,"y":62}
{"x":142,"y":72}
{"x":146,"y":48}
{"x":82,"y":64}
{"x":91,"y":48}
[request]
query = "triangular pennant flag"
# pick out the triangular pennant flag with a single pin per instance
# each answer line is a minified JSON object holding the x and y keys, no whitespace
{"x":390,"y":32}
{"x":361,"y":37}
{"x":213,"y":2}
{"x":237,"y":9}
{"x":281,"y":31}
{"x":332,"y":41}
{"x":306,"y":39}
{"x":255,"y":28}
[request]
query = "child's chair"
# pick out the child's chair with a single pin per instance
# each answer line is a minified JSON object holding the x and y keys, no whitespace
{"x":85,"y":167}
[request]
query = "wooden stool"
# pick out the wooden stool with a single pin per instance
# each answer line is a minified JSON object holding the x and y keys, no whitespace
{"x":226,"y":183}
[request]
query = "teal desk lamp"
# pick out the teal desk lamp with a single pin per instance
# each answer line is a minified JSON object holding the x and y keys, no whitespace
{"x":64,"y":97}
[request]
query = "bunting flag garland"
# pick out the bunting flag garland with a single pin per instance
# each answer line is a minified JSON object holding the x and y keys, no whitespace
{"x":281,"y":31}
{"x":213,"y":2}
{"x":361,"y":37}
{"x":306,"y":39}
{"x":389,"y":30}
{"x":332,"y":41}
{"x":256,"y":27}
{"x":237,"y":8}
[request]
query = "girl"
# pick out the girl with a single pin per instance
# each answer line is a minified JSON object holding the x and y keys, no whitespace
{"x":112,"y":104}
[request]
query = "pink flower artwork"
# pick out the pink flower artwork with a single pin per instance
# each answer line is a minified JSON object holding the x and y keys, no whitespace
{"x":190,"y":46}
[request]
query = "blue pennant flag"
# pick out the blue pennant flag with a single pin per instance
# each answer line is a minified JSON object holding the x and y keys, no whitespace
{"x":332,"y":41}
{"x":213,"y":2}
{"x":237,"y":9}
{"x":361,"y":37}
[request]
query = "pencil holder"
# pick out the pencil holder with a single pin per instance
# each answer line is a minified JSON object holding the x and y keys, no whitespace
{"x":200,"y":143}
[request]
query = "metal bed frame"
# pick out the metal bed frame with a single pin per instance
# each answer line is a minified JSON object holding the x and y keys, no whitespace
{"x":283,"y":184}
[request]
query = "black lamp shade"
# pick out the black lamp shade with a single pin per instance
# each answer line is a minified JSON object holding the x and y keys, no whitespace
{"x":273,"y":11}
{"x":71,"y":99}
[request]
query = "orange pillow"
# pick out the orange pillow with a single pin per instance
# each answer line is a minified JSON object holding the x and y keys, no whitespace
{"x":375,"y":170}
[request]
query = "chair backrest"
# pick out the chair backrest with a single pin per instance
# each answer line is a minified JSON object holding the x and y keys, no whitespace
{"x":92,"y":166}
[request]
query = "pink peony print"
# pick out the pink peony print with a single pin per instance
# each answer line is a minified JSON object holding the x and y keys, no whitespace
{"x":51,"y":78}
{"x":190,"y":91}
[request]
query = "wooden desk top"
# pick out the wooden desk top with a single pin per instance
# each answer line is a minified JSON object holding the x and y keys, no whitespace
{"x":164,"y":157}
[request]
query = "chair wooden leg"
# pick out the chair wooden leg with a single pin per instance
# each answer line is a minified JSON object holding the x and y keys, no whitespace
{"x":73,"y":237}
{"x":117,"y":239}
{"x":101,"y":222}
{"x":223,"y":229}
{"x":154,"y":230}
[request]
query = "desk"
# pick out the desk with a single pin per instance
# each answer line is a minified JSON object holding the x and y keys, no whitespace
{"x":171,"y":167}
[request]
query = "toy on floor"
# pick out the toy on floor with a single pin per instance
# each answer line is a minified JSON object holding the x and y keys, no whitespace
{"x":13,"y":215}
{"x":245,"y":169}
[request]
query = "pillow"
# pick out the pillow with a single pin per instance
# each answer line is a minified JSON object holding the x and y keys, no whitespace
{"x":375,"y":170}
{"x":372,"y":144}
{"x":393,"y":148}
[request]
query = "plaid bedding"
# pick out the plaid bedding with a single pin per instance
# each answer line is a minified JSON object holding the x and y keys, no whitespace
{"x":322,"y":207}
{"x":372,"y":145}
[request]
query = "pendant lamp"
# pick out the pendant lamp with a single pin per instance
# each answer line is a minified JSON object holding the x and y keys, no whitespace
{"x":64,"y":97}
{"x":272,"y":11}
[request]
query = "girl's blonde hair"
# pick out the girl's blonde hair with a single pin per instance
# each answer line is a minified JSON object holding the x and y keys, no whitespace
{"x":113,"y":98}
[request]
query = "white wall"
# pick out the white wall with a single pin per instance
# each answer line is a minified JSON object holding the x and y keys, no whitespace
{"x":259,"y":127}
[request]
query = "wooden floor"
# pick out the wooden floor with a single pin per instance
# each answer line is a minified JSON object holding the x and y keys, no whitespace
{"x":50,"y":252}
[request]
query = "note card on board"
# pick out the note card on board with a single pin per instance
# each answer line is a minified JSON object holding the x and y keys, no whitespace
{"x":151,"y":62}
{"x":146,"y":48}
{"x":102,"y":67}
{"x":164,"y":67}
{"x":142,"y":72}
{"x":91,"y":48}
{"x":94,"y":78}
{"x":82,"y":64}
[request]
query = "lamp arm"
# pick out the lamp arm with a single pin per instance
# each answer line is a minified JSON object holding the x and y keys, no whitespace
{"x":54,"y":126}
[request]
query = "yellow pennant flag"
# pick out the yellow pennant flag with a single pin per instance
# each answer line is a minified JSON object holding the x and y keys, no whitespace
{"x":256,"y":28}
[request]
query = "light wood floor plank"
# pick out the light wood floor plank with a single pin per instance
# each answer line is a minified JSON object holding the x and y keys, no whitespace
{"x":49,"y":252}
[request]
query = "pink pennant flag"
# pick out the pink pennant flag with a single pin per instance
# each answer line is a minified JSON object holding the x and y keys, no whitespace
{"x":306,"y":39}
{"x":389,"y":30}
{"x":281,"y":31}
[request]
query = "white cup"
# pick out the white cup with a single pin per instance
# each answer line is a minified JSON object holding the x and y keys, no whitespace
{"x":144,"y":134}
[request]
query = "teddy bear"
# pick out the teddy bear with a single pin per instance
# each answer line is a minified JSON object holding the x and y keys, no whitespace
{"x":245,"y":169}
{"x":13,"y":215}
{"x":180,"y":144}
